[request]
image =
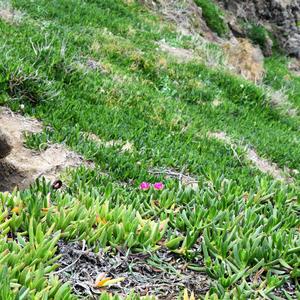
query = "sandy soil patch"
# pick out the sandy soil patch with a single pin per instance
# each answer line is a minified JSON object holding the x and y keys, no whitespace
{"x":22,"y":166}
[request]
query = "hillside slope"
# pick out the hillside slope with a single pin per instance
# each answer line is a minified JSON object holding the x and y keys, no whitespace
{"x":192,"y":185}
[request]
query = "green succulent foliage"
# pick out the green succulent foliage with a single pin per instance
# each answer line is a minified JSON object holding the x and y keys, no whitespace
{"x":213,"y":16}
{"x":258,"y":34}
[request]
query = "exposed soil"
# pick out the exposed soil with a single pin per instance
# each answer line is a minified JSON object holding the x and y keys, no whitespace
{"x":22,"y":166}
{"x":162,"y":273}
{"x":279,"y":99}
{"x":10,"y":176}
{"x":5,"y":147}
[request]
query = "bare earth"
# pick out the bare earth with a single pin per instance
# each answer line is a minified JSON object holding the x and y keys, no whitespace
{"x":22,"y":166}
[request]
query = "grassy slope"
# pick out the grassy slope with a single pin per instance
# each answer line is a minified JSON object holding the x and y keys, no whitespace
{"x":165,"y":109}
{"x":279,"y":77}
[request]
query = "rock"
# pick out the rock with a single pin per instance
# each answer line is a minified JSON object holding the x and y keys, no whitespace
{"x":282,"y":16}
{"x":293,"y":45}
{"x":5,"y":147}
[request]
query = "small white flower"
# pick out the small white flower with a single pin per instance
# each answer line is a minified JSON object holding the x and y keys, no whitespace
{"x":22,"y":106}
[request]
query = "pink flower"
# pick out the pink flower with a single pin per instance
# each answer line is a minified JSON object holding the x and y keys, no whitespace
{"x":158,"y":186}
{"x":145,"y":186}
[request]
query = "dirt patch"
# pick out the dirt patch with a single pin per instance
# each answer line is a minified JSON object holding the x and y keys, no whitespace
{"x":9,"y":14}
{"x":162,"y":273}
{"x":262,"y":164}
{"x":22,"y":166}
{"x":267,"y":166}
{"x":10,"y":176}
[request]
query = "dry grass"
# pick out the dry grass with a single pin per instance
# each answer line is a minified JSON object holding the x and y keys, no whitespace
{"x":162,"y":274}
{"x":244,"y":59}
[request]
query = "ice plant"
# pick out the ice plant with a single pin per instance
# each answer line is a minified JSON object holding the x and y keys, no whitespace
{"x":158,"y":186}
{"x":100,"y":220}
{"x":145,"y":186}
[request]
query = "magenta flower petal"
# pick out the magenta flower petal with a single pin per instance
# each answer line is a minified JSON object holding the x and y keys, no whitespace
{"x":158,"y":186}
{"x":145,"y":186}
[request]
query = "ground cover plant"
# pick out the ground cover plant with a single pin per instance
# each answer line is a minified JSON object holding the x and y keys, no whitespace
{"x":213,"y":16}
{"x":93,"y":73}
{"x":281,"y":78}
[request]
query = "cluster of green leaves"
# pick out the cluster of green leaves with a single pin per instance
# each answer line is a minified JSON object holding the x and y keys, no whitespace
{"x":213,"y":16}
{"x":28,"y":259}
{"x":258,"y":34}
{"x":222,"y":215}
{"x":243,"y":221}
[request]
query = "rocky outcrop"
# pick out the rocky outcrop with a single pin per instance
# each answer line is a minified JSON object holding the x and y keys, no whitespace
{"x":282,"y":17}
